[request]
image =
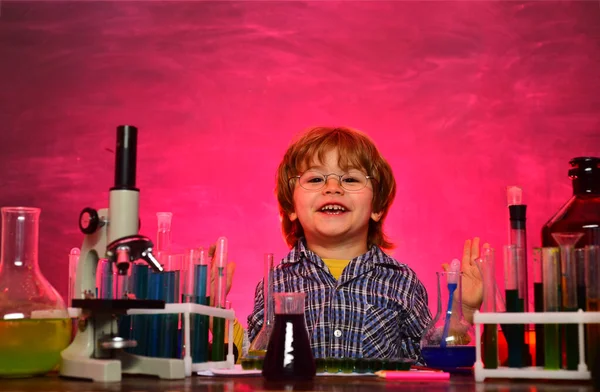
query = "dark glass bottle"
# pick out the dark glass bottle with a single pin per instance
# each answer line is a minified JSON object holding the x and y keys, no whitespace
{"x":581,"y":213}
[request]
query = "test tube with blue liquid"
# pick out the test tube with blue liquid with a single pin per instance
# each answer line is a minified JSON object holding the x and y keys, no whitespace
{"x":515,"y":333}
{"x":170,"y":346}
{"x":124,"y":290}
{"x":157,"y":281}
{"x":139,"y":323}
{"x":195,"y":291}
{"x":218,"y":324}
{"x":104,"y":279}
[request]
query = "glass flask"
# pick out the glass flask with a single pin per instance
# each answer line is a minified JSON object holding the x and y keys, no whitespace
{"x":581,"y":213}
{"x":34,"y":323}
{"x":258,"y":348}
{"x":449,"y":341}
{"x":289,"y":355}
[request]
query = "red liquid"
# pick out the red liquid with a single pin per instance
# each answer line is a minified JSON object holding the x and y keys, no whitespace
{"x":289,"y":356}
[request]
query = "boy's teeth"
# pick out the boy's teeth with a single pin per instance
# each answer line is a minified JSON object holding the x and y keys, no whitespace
{"x":333,"y":207}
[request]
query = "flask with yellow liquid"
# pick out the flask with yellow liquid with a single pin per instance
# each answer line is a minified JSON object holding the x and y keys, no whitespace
{"x":34,"y":323}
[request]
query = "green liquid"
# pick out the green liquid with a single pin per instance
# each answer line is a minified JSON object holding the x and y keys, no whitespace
{"x":32,"y":346}
{"x":321,"y":364}
{"x":572,"y":344}
{"x":218,"y":343}
{"x":552,"y":358}
{"x":593,"y":344}
{"x":515,"y":333}
{"x":538,"y":303}
{"x":490,"y":346}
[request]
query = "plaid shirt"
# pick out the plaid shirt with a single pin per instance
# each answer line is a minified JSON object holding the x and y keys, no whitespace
{"x":377,"y":309}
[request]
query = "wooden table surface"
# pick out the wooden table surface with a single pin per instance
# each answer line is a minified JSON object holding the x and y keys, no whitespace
{"x":246,"y":384}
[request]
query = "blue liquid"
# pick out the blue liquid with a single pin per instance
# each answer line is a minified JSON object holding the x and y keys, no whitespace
{"x":451,"y":289}
{"x":199,"y":327}
{"x":449,"y":358}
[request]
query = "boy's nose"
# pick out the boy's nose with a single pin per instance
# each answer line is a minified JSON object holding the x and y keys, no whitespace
{"x":333,"y":185}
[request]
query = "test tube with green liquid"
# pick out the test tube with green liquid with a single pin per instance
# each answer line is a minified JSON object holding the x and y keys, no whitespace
{"x":515,"y":333}
{"x":218,"y":329}
{"x":551,"y":273}
{"x":592,"y":283}
{"x":538,"y":303}
{"x":568,"y":268}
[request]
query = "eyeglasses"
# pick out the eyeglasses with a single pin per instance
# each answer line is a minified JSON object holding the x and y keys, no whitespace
{"x":313,"y":180}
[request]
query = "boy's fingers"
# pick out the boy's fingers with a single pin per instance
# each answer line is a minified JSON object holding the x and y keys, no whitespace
{"x":475,"y":249}
{"x":466,"y":258}
{"x":230,"y":271}
{"x":445,"y":267}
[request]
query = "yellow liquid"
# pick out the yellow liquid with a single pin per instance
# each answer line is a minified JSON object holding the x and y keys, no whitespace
{"x":32,"y":346}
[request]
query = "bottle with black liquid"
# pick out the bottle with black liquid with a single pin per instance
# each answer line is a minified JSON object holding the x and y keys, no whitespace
{"x":581,"y":213}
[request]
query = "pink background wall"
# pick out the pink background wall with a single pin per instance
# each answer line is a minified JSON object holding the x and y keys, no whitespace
{"x":463,"y":98}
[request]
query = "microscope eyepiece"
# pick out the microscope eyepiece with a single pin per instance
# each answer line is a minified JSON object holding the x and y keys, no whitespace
{"x":126,"y":157}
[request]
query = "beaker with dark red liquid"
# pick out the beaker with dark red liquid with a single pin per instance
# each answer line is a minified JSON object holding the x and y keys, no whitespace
{"x":289,"y":356}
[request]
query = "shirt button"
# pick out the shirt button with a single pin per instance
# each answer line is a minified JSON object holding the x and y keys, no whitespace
{"x":337,"y":333}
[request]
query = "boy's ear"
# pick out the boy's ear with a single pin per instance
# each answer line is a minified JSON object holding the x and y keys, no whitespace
{"x":376,"y":216}
{"x":293,"y":216}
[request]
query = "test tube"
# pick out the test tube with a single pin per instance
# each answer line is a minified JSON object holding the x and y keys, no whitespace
{"x":515,"y":333}
{"x":580,"y":262}
{"x":155,"y":288}
{"x":518,"y":238}
{"x":490,"y":331}
{"x":73,"y":260}
{"x":218,"y":330}
{"x":104,"y":280}
{"x":195,"y":292}
{"x":139,"y":323}
{"x":163,"y":235}
{"x":551,"y":273}
{"x":168,"y":335}
{"x":592,"y":267}
{"x":538,"y":303}
{"x":568,"y":267}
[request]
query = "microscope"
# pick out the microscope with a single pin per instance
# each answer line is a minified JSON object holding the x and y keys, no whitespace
{"x":97,"y":352}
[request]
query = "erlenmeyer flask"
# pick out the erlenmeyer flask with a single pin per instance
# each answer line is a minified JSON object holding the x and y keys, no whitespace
{"x":258,"y":348}
{"x":34,"y":324}
{"x":450,"y":325}
{"x":289,"y":355}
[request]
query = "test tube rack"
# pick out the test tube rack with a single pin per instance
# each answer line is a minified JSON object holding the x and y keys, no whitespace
{"x":186,"y":309}
{"x":533,"y":372}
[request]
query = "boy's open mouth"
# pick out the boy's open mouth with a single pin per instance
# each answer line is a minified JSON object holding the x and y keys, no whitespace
{"x":333,"y":209}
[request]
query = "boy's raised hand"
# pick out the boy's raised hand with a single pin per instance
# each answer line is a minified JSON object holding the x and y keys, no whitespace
{"x":472,"y":282}
{"x":230,"y":270}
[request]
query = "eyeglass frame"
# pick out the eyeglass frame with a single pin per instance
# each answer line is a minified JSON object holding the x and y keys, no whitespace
{"x":327,"y":178}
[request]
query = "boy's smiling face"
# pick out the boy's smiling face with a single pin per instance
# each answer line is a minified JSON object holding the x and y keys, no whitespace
{"x":333,"y":215}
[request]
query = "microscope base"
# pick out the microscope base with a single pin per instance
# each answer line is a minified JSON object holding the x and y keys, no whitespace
{"x":110,"y":370}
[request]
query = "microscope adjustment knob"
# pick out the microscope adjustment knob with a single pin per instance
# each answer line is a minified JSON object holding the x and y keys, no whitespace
{"x":89,"y":221}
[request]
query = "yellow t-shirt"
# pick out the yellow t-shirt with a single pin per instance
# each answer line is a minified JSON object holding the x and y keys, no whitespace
{"x":336,"y":266}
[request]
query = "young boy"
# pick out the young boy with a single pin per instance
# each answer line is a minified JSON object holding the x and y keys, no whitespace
{"x":334,"y":191}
